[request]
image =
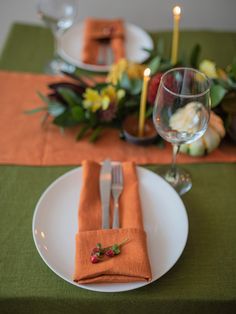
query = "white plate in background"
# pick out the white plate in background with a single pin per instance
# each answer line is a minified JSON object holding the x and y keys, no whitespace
{"x":70,"y":45}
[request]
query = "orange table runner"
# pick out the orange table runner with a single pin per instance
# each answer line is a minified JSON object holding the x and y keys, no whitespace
{"x":24,"y":141}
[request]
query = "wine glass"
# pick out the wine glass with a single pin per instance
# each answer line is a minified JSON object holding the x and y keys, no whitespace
{"x":58,"y":15}
{"x":181,"y":114}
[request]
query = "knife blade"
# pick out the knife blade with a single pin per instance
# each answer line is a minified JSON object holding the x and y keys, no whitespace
{"x":105,"y":191}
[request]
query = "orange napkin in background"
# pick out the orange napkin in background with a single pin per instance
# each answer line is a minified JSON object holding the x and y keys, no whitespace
{"x":132,"y":264}
{"x":98,"y":29}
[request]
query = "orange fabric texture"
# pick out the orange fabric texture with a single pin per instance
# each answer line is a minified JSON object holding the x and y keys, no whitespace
{"x":98,"y":30}
{"x":132,"y":264}
{"x":24,"y":141}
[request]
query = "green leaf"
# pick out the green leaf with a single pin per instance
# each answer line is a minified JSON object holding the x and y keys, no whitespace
{"x":154,"y":64}
{"x":35,"y":110}
{"x":82,"y":132}
{"x":78,"y":113}
{"x":150,"y":51}
{"x":231,"y":83}
{"x":125,"y":82}
{"x":164,"y":66}
{"x":44,"y":98}
{"x":65,"y":120}
{"x":195,"y":54}
{"x":94,"y":136}
{"x":55,"y":108}
{"x":217,"y":93}
{"x":222,"y":82}
{"x":69,"y":96}
{"x":91,"y":117}
{"x":136,"y":87}
{"x":116,"y":249}
{"x":149,"y":112}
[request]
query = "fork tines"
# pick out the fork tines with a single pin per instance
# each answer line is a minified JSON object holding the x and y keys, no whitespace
{"x":117,"y":187}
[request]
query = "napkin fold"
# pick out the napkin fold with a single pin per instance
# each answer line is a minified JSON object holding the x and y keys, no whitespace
{"x":98,"y":30}
{"x":132,"y":264}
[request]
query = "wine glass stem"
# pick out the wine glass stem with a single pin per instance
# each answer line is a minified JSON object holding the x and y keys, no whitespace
{"x":175,"y":150}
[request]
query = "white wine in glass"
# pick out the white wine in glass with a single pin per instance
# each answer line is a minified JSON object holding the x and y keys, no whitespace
{"x":180,"y":115}
{"x":58,"y":15}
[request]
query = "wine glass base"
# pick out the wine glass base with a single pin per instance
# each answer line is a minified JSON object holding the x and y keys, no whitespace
{"x":182,"y":182}
{"x":56,"y":66}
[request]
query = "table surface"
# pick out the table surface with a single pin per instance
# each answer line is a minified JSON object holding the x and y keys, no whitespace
{"x":202,"y":281}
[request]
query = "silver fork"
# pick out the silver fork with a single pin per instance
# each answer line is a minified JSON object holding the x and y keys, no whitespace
{"x":116,"y":188}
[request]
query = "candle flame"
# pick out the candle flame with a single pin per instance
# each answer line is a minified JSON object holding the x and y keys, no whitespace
{"x":176,"y":10}
{"x":147,"y":72}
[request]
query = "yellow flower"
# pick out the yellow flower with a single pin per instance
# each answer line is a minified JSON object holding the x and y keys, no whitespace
{"x":120,"y":94}
{"x":117,"y":69}
{"x":105,"y":100}
{"x":110,"y":92}
{"x":93,"y":100}
{"x":209,"y":68}
{"x":133,"y":70}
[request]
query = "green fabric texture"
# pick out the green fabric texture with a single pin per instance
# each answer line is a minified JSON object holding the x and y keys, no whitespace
{"x":29,"y":47}
{"x":217,"y":46}
{"x":202,"y":281}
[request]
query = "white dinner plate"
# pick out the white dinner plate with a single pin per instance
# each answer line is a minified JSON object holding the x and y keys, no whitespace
{"x":55,"y":226}
{"x":70,"y":46}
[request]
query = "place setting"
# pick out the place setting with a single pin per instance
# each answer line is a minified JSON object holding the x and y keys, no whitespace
{"x":100,"y":53}
{"x":93,"y":44}
{"x":103,"y":227}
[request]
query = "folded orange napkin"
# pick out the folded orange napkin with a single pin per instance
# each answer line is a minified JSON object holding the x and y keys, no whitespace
{"x":96,"y":30}
{"x":132,"y":264}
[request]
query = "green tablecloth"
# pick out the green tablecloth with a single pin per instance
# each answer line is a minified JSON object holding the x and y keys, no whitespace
{"x":202,"y":281}
{"x":24,"y":50}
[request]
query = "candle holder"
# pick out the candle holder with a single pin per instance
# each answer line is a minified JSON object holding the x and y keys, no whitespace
{"x":130,"y":131}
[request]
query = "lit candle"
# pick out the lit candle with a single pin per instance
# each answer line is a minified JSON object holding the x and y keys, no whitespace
{"x":146,"y":77}
{"x":175,"y":38}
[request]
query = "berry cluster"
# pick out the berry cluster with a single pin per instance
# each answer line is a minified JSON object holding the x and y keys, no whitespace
{"x":98,"y":253}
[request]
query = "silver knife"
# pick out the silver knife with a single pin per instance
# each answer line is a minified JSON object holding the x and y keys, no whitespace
{"x":105,"y":192}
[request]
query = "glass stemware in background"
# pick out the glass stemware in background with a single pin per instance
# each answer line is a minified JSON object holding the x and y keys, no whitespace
{"x":58,"y":15}
{"x":180,"y":115}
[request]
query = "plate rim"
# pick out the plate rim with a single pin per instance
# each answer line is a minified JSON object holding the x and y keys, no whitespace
{"x":91,"y":67}
{"x":88,"y":287}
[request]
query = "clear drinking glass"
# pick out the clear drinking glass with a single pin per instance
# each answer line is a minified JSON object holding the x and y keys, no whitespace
{"x":58,"y":15}
{"x":181,"y":114}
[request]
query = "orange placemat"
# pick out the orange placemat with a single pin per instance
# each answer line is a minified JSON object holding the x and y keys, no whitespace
{"x":24,"y":141}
